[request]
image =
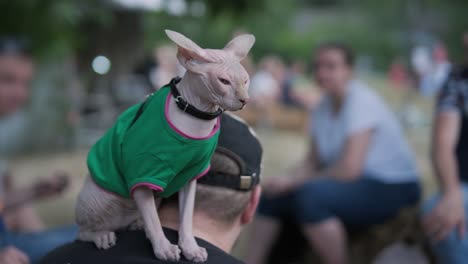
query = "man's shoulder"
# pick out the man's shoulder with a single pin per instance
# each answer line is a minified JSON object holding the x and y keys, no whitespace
{"x":363,"y":97}
{"x":361,"y":91}
{"x":132,"y":247}
{"x":215,"y":254}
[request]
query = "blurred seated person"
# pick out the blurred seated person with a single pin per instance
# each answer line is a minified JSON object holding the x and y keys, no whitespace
{"x":168,"y":66}
{"x":21,"y":230}
{"x":359,"y":170}
{"x":226,"y":200}
{"x":144,"y":69}
{"x":445,"y":215}
{"x":398,"y":74}
{"x":158,"y":69}
{"x":265,"y":87}
{"x":432,"y":80}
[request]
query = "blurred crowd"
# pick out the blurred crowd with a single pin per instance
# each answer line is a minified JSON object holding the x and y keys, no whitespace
{"x":359,"y":171}
{"x":23,"y":236}
{"x":273,"y":81}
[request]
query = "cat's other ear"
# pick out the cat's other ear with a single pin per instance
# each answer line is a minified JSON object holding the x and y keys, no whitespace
{"x":240,"y":45}
{"x":187,"y":48}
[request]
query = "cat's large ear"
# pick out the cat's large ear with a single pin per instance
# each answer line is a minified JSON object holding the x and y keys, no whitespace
{"x":188,"y":49}
{"x":240,"y":45}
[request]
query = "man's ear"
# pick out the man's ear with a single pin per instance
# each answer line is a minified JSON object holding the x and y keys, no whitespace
{"x":187,"y":48}
{"x":251,"y":208}
{"x":240,"y":45}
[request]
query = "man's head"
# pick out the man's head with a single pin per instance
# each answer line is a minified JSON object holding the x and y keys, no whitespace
{"x":230,"y":192}
{"x":228,"y":195}
{"x":333,"y":66}
{"x":16,"y":72}
{"x":439,"y":53}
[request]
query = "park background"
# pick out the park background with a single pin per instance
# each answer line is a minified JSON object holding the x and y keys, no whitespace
{"x":73,"y":103}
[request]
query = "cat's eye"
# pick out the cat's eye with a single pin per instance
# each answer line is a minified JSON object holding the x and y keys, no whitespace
{"x":224,"y":81}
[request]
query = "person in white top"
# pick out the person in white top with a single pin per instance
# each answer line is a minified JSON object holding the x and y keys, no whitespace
{"x":359,"y":171}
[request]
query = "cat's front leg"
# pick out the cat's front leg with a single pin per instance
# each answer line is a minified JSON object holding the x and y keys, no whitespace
{"x":162,"y":247}
{"x":187,"y":242}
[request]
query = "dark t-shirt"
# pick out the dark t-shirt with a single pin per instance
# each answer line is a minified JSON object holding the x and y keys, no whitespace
{"x":132,"y":247}
{"x":454,"y":97}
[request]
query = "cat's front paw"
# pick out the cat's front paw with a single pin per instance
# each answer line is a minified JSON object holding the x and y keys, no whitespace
{"x":104,"y":239}
{"x":192,"y":251}
{"x":164,"y":250}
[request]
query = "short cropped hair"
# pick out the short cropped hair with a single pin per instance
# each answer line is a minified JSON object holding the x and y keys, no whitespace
{"x":221,"y":204}
{"x":346,"y":51}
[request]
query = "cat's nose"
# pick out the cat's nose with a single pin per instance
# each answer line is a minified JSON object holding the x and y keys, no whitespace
{"x":244,"y":101}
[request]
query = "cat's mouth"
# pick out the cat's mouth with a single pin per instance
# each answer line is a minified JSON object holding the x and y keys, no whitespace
{"x":238,"y":108}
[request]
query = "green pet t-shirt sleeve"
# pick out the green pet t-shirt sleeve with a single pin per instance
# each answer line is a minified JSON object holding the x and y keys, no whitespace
{"x":149,"y":171}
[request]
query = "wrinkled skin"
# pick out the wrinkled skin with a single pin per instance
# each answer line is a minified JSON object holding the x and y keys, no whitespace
{"x":214,"y":78}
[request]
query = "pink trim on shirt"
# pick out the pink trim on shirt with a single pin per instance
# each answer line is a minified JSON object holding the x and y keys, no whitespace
{"x":203,"y":173}
{"x":166,"y":114}
{"x":152,"y":186}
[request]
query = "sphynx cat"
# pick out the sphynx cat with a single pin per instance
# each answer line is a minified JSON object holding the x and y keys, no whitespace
{"x":214,"y":80}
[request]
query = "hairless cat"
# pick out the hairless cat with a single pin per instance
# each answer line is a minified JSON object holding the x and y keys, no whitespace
{"x":161,"y":146}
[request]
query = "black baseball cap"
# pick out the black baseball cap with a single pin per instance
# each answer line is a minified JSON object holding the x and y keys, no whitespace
{"x":237,"y":141}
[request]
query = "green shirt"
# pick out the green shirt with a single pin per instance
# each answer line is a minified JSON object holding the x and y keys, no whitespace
{"x":151,"y":152}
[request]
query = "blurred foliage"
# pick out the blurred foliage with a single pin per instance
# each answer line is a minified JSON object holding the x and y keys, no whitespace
{"x":408,"y":22}
{"x":437,"y":20}
{"x":381,"y":30}
{"x":51,"y":26}
{"x":217,"y":29}
{"x":233,"y":7}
